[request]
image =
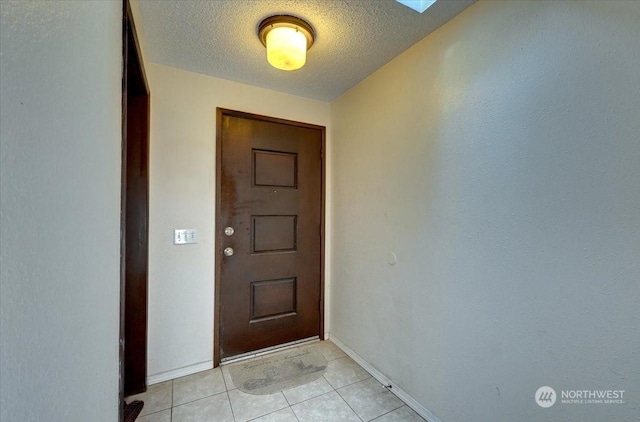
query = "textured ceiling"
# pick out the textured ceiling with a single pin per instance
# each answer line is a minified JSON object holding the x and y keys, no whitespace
{"x":353,"y":39}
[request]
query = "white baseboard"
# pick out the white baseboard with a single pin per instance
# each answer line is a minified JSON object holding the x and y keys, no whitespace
{"x":400,"y":393}
{"x":180,"y":372}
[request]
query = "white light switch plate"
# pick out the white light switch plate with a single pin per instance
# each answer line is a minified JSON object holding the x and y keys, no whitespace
{"x":184,"y":236}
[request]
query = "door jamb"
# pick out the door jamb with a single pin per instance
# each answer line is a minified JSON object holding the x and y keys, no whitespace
{"x":220,"y":112}
{"x":141,"y":88}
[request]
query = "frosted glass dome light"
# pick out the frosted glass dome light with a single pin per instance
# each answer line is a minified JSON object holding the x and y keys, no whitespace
{"x":287,"y":39}
{"x":286,"y":48}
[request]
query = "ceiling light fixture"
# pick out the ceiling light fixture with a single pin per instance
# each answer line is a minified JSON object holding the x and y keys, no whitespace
{"x":287,"y":39}
{"x":417,"y":5}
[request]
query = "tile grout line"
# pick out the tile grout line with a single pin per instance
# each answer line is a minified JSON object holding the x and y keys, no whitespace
{"x":271,"y":413}
{"x":385,"y":390}
{"x":294,"y":413}
{"x":314,"y":397}
{"x":173,"y":405}
{"x":233,"y":414}
{"x":285,"y":396}
{"x":171,"y":411}
{"x":392,"y":410}
{"x":355,"y":382}
{"x":198,"y":399}
{"x":226,"y":388}
{"x":347,"y":403}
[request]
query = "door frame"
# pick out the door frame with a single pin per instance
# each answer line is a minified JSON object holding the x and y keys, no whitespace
{"x":220,"y":112}
{"x":134,"y":85}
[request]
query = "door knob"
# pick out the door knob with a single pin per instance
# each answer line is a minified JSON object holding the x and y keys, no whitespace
{"x":229,"y":231}
{"x":228,"y":251}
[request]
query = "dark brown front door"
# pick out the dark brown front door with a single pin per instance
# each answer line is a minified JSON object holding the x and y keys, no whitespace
{"x":270,"y":194}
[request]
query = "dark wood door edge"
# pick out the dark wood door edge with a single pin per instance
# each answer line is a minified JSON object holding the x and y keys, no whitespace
{"x":138,"y":86}
{"x":123,"y":205}
{"x":220,"y":112}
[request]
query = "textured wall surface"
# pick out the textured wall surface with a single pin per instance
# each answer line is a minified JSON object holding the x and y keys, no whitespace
{"x":354,"y":38}
{"x":60,"y":78}
{"x":182,"y":195}
{"x":498,"y":158}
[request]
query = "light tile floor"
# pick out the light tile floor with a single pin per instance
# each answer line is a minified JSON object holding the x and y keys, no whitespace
{"x":346,"y":392}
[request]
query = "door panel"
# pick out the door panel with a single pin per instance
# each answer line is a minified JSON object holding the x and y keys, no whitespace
{"x":274,"y":233}
{"x":270,"y":192}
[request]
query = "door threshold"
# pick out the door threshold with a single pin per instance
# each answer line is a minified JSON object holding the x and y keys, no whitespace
{"x":268,"y":350}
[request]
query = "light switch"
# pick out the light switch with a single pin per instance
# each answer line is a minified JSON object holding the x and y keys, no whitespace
{"x":184,"y":236}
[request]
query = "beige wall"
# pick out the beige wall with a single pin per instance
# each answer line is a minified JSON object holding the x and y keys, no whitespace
{"x":60,"y":78}
{"x":182,"y":189}
{"x":498,"y":159}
